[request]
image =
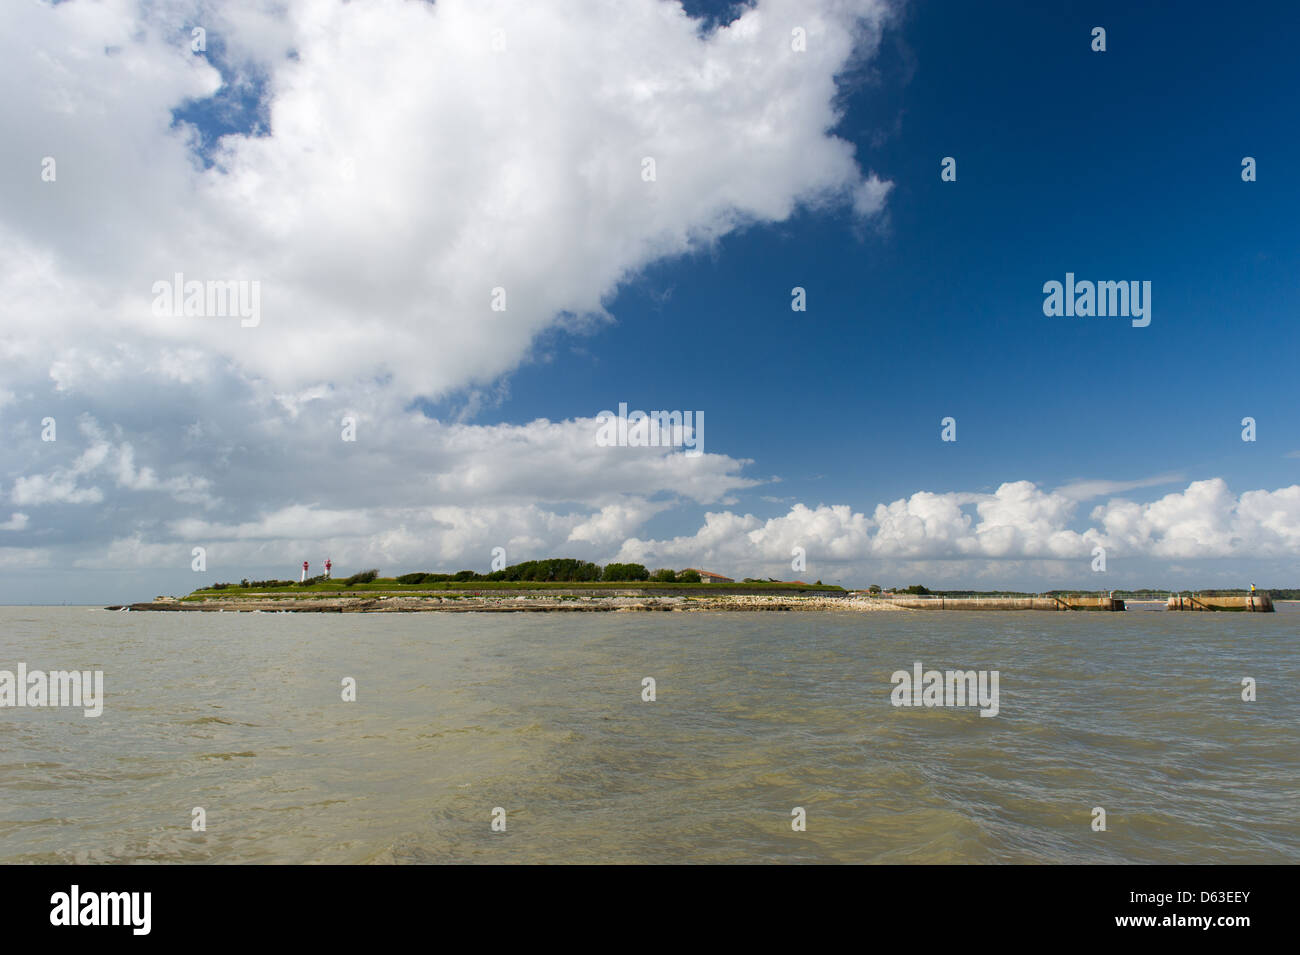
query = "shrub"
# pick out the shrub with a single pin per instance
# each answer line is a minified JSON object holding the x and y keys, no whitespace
{"x":417,"y":578}
{"x":689,"y":576}
{"x":665,"y":575}
{"x":365,"y":577}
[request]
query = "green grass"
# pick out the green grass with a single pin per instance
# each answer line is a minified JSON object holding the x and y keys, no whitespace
{"x":389,"y":585}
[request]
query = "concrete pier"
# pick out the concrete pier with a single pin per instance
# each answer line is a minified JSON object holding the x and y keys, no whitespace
{"x":1109,"y":604}
{"x":1247,"y":603}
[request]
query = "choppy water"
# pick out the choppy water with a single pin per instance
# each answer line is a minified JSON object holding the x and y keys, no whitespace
{"x":541,"y":714}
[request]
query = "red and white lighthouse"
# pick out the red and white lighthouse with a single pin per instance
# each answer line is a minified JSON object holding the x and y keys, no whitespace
{"x":304,"y":571}
{"x":328,"y":565}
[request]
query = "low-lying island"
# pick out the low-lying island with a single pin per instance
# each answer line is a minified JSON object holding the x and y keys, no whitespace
{"x":507,"y":601}
{"x":385,"y":596}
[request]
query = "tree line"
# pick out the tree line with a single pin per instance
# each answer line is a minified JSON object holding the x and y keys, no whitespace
{"x":558,"y":569}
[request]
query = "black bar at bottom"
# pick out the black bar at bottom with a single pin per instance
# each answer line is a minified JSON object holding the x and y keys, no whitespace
{"x":949,"y":904}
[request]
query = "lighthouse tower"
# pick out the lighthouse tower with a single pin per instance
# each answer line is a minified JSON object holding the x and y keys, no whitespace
{"x":304,"y":571}
{"x":328,"y":565}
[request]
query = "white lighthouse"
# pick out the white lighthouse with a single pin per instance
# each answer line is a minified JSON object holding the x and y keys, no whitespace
{"x":304,"y":571}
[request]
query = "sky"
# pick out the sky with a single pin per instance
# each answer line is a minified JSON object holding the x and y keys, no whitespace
{"x":465,"y":230}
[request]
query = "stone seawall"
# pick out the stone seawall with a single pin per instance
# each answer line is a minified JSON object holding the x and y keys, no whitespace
{"x":1247,"y":603}
{"x":1009,"y":603}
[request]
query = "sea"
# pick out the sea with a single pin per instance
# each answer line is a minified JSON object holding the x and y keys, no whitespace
{"x":653,"y":738}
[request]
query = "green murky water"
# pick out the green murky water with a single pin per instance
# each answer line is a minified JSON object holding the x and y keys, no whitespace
{"x":541,"y":715}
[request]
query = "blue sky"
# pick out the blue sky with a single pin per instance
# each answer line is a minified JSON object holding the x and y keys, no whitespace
{"x":1123,"y":164}
{"x":469,"y":165}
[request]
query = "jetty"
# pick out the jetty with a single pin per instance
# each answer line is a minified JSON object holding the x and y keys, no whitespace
{"x":1235,"y":603}
{"x":1062,"y":604}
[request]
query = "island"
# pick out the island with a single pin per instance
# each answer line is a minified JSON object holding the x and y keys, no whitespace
{"x":575,"y":586}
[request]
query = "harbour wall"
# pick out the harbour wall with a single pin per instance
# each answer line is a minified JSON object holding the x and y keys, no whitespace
{"x":1009,"y":603}
{"x":1248,"y":603}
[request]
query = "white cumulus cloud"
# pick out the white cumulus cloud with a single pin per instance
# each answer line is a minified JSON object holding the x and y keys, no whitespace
{"x":407,"y":168}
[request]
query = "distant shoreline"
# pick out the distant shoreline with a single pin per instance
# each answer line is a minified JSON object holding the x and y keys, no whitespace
{"x":626,"y":600}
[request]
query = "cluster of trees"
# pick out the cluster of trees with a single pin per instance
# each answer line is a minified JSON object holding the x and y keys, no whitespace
{"x":616,"y":572}
{"x":365,"y":577}
{"x":668,"y":576}
{"x":560,"y":569}
{"x":256,"y":584}
{"x":556,"y":568}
